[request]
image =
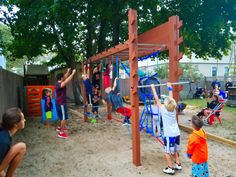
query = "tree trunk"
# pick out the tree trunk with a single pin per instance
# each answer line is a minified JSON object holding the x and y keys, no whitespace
{"x":116,"y":32}
{"x":116,"y":22}
{"x":75,"y":82}
{"x":102,"y":36}
{"x":89,"y":48}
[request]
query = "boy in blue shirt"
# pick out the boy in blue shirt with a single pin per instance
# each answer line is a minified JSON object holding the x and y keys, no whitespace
{"x":11,"y":156}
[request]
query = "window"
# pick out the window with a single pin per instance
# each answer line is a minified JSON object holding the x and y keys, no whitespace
{"x":226,"y":71}
{"x":214,"y":71}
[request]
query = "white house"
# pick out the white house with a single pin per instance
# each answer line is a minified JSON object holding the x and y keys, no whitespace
{"x":209,"y":68}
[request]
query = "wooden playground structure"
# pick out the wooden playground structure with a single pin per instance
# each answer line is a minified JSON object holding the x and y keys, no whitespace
{"x":161,"y":38}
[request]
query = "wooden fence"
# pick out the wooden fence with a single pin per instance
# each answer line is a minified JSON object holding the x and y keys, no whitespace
{"x":11,"y":90}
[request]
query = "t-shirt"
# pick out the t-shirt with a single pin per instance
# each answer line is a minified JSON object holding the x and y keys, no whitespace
{"x":96,"y":77}
{"x":95,"y":98}
{"x":88,"y":86}
{"x":115,"y":99}
{"x":227,"y":85}
{"x":106,"y":78}
{"x":48,"y":103}
{"x":212,"y":104}
{"x":60,"y":94}
{"x":5,"y":143}
{"x":170,"y":126}
{"x":215,"y":82}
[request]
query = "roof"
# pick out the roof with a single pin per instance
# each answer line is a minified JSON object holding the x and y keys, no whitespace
{"x":36,"y":70}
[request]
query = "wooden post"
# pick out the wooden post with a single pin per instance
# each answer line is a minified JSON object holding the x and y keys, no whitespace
{"x":84,"y":95}
{"x":174,"y":54}
{"x":134,"y":97}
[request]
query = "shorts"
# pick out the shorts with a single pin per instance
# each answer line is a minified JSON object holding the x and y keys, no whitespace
{"x":62,"y":112}
{"x":172,"y":144}
{"x":124,"y":111}
{"x":200,"y":169}
{"x":48,"y":115}
{"x":94,"y":109}
{"x":89,"y":98}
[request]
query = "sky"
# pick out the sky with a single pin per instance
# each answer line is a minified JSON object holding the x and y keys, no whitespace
{"x":2,"y":62}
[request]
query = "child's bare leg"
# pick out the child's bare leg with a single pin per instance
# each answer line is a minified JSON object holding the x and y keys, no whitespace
{"x":13,"y":158}
{"x":177,"y":158}
{"x":63,"y":125}
{"x":2,"y":173}
{"x":168,"y":158}
{"x":47,"y":124}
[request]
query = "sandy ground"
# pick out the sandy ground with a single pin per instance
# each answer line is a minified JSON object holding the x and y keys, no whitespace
{"x":104,"y":149}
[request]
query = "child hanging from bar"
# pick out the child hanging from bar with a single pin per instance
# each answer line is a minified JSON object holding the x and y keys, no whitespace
{"x":95,"y":100}
{"x":88,"y":87}
{"x":115,"y":98}
{"x":171,"y":130}
{"x":96,"y":75}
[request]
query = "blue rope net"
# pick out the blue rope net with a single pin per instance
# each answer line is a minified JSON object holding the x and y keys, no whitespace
{"x":150,"y":116}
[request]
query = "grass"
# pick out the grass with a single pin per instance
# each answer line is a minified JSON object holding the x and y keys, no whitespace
{"x":198,"y":104}
{"x":228,"y":123}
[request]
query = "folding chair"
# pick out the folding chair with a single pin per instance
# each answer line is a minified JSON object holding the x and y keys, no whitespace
{"x":215,"y":113}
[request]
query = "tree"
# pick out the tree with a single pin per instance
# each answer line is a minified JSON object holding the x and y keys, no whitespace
{"x":209,"y":26}
{"x":77,"y":29}
{"x":46,"y":26}
{"x":6,"y":40}
{"x":190,"y":72}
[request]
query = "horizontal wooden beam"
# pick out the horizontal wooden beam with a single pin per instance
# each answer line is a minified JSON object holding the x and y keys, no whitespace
{"x":157,"y":37}
{"x":112,"y":51}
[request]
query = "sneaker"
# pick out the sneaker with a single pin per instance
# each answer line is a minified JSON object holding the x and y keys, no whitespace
{"x":178,"y":166}
{"x":89,"y":114}
{"x":126,"y":120}
{"x":58,"y":129}
{"x":63,"y":135}
{"x":169,"y":171}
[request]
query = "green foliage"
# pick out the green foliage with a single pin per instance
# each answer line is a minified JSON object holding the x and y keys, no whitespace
{"x":197,"y":104}
{"x":6,"y":40}
{"x":82,"y":28}
{"x":232,"y":70}
{"x":163,"y":71}
{"x":190,"y":72}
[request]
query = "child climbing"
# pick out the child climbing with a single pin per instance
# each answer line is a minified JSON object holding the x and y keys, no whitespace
{"x":197,"y":149}
{"x":87,"y":84}
{"x":96,"y":75}
{"x":106,"y":76}
{"x":171,"y":130}
{"x":47,"y":106}
{"x":88,"y":87}
{"x":95,"y":100}
{"x":115,"y":98}
{"x":13,"y":120}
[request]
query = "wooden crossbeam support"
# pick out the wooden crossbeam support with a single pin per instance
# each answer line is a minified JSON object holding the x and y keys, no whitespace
{"x":84,"y":96}
{"x":133,"y":62}
{"x":112,"y":51}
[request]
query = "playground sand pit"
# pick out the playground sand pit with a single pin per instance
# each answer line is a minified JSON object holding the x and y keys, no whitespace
{"x":104,"y":149}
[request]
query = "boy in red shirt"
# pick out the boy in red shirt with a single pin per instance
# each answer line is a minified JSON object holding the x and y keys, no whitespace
{"x":197,"y":149}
